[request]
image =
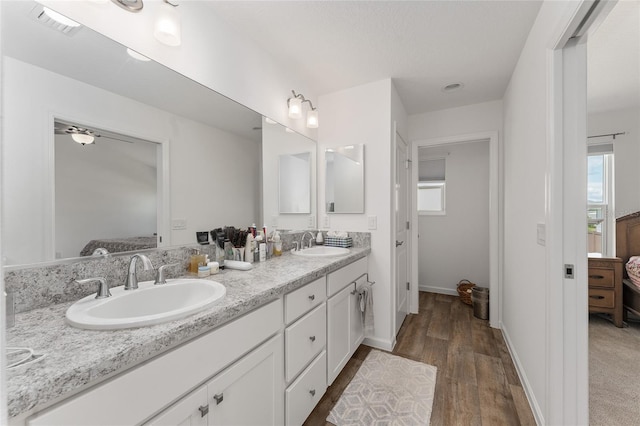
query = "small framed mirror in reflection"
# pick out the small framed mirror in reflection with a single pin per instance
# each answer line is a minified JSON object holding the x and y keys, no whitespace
{"x":294,"y":184}
{"x":344,"y":179}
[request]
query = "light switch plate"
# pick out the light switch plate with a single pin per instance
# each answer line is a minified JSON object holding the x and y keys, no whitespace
{"x":372,"y":222}
{"x":327,"y":222}
{"x":179,"y":224}
{"x":312,"y":222}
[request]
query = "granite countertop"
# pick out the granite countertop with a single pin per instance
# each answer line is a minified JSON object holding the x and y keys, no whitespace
{"x":76,"y":359}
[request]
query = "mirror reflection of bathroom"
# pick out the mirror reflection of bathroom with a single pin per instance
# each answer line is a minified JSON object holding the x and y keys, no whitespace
{"x":295,"y":183}
{"x":345,"y":179}
{"x":116,"y":178}
{"x":288,"y":178}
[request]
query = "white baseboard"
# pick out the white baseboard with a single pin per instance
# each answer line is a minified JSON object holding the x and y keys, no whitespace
{"x":439,"y":290}
{"x":377,"y":343}
{"x":535,"y":407}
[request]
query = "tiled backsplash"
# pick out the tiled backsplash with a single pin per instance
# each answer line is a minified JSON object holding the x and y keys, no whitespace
{"x":37,"y":286}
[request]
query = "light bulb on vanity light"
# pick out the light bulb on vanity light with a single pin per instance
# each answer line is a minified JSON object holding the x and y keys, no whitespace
{"x":295,"y":108}
{"x":167,"y":29}
{"x":312,"y":119}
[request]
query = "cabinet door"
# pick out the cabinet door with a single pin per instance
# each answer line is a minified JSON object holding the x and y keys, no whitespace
{"x":338,"y":339}
{"x":251,"y":391}
{"x":356,"y":325}
{"x":189,"y":411}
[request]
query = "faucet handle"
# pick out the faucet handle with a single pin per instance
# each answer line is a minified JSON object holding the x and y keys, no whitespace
{"x":103,"y":287}
{"x":161,"y":277}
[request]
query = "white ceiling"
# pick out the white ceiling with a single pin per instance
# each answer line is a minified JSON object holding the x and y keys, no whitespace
{"x":613,"y":58}
{"x":422,"y":45}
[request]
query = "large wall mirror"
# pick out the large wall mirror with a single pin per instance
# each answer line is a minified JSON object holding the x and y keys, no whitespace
{"x":200,"y":151}
{"x":344,"y":179}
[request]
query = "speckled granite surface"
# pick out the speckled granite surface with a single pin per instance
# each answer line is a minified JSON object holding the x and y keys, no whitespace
{"x":79,"y":358}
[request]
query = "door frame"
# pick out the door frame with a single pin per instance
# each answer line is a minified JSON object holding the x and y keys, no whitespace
{"x":567,"y":322}
{"x":496,"y":219}
{"x":409,"y":238}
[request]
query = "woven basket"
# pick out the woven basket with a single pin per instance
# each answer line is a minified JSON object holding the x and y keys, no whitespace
{"x":464,"y":290}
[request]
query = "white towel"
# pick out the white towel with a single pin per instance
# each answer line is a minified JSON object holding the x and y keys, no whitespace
{"x":366,"y":306}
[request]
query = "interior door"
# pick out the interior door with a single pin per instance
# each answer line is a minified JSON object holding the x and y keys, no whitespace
{"x":401,"y":232}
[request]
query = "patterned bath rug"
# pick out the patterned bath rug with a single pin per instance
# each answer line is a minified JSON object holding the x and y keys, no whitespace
{"x":387,"y":390}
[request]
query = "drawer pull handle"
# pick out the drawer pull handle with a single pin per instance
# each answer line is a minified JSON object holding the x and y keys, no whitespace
{"x":312,"y":392}
{"x":597,"y":297}
{"x":312,"y":338}
{"x":218,"y":398}
{"x":597,"y":277}
{"x":204,"y":410}
{"x":312,"y":297}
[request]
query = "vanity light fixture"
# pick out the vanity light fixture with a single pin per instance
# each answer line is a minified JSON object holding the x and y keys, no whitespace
{"x":295,"y":109}
{"x":167,"y":29}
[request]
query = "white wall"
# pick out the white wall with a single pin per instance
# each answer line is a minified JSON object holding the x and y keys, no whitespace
{"x":212,"y":53}
{"x":456,"y":246}
{"x":365,"y":115}
{"x":527,"y":125}
{"x":626,"y":150}
{"x":275,"y":142}
{"x":200,"y":170}
{"x":107,"y":189}
{"x":476,"y":118}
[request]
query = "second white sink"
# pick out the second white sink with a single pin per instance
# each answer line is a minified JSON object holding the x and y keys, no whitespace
{"x":322,"y":251}
{"x":148,"y":305}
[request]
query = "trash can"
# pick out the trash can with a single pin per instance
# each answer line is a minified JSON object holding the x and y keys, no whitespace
{"x":480,"y":301}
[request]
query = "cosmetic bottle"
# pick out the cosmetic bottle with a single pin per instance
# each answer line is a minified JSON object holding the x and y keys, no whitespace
{"x":196,"y":261}
{"x":263,"y":252}
{"x":277,"y":244}
{"x":203,"y":271}
{"x":248,"y":249}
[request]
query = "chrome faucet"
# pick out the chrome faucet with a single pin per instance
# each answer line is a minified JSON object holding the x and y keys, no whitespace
{"x":103,"y":287}
{"x":302,"y":239}
{"x":132,"y":277}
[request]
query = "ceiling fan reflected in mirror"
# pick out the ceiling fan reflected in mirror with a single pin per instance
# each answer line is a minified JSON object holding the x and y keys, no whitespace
{"x":82,"y":135}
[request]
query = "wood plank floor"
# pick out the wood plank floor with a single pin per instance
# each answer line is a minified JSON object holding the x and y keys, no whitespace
{"x":477,"y":383}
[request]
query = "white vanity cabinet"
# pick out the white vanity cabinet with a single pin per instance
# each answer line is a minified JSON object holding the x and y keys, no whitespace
{"x":345,"y":329}
{"x":136,"y":395}
{"x":305,"y":355}
{"x":247,"y":393}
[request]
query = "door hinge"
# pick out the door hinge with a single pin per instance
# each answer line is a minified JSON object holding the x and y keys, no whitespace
{"x":407,"y":164}
{"x":160,"y":238}
{"x":408,"y":286}
{"x":408,"y":225}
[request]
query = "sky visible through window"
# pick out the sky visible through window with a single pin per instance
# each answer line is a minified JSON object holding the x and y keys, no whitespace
{"x":595,"y":182}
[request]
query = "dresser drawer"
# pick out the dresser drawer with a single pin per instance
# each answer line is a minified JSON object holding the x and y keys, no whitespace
{"x":601,"y":277}
{"x":601,"y":298}
{"x":341,"y":278}
{"x":304,"y":340}
{"x":302,"y":300}
{"x":305,"y":393}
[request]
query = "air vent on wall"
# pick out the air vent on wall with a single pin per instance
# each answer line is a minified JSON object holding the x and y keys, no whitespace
{"x":55,"y":20}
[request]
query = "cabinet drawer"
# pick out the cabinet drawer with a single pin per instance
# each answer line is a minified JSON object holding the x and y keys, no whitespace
{"x":304,"y":340}
{"x":302,"y":300}
{"x":303,"y":395}
{"x":601,"y":298}
{"x":341,"y":278}
{"x":601,"y":277}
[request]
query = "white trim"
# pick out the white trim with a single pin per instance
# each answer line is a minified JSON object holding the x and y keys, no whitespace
{"x":496,"y":219}
{"x":438,"y":290}
{"x":526,"y":385}
{"x":378,"y":343}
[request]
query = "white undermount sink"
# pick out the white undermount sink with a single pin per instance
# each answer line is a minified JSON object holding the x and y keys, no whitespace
{"x":322,"y":251}
{"x":148,"y":305}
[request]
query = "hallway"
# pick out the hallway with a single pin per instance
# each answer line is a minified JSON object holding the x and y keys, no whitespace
{"x":477,"y":381}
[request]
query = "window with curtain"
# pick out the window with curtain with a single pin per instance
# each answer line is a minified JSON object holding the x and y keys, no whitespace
{"x":600,"y":200}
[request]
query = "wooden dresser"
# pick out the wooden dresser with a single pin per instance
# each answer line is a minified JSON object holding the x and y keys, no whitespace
{"x":605,"y":287}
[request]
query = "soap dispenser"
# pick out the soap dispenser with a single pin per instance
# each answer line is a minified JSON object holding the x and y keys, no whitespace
{"x":319,"y":238}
